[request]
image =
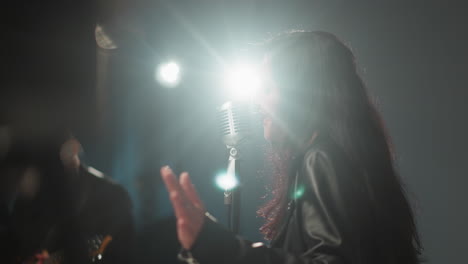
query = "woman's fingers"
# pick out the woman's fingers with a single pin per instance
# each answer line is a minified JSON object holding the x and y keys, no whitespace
{"x":190,"y":191}
{"x":187,"y":205}
{"x":169,"y":178}
{"x":179,"y":205}
{"x":178,"y":199}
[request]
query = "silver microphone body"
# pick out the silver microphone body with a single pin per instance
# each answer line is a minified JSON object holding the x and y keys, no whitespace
{"x":237,"y":125}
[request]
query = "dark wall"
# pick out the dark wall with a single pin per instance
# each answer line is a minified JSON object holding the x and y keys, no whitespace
{"x":47,"y":46}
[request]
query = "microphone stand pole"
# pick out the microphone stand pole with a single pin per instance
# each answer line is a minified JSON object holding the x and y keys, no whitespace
{"x":232,"y":196}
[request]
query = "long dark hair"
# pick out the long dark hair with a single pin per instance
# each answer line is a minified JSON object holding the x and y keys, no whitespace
{"x":322,"y":92}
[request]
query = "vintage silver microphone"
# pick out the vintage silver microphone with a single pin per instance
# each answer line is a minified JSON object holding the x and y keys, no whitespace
{"x":237,"y":125}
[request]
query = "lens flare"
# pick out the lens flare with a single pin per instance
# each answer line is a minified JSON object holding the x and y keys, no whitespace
{"x":168,"y":74}
{"x":226,"y":181}
{"x":243,"y":82}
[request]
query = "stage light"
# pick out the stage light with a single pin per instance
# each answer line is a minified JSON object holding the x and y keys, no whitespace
{"x":226,"y":181}
{"x":243,"y":81}
{"x":168,"y":74}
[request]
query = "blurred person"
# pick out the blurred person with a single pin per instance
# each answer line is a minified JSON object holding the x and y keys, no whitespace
{"x":336,"y":196}
{"x":56,"y":209}
{"x":52,"y":206}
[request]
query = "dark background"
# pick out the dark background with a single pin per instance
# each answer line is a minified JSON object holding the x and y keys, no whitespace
{"x":412,"y":54}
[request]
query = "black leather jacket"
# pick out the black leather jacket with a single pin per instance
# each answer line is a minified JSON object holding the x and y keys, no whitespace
{"x":329,"y":220}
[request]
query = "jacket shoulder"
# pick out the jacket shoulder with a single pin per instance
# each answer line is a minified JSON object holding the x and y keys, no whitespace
{"x":101,"y":184}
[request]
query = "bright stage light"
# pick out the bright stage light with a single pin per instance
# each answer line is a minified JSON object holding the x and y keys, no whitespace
{"x":168,"y":74}
{"x":243,"y":81}
{"x":226,"y":181}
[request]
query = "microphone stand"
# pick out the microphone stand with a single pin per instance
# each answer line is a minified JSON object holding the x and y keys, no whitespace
{"x":232,"y":197}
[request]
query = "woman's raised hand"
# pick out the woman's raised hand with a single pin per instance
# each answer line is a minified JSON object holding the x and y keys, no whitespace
{"x":189,"y":209}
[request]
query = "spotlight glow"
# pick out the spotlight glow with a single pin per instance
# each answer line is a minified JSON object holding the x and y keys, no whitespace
{"x":243,"y":81}
{"x":226,"y":181}
{"x":168,"y":74}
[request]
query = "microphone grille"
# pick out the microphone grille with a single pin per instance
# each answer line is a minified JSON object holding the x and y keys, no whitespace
{"x":233,"y":119}
{"x":235,"y":122}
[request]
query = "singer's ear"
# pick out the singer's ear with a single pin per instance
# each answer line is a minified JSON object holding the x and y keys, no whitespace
{"x":69,"y":153}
